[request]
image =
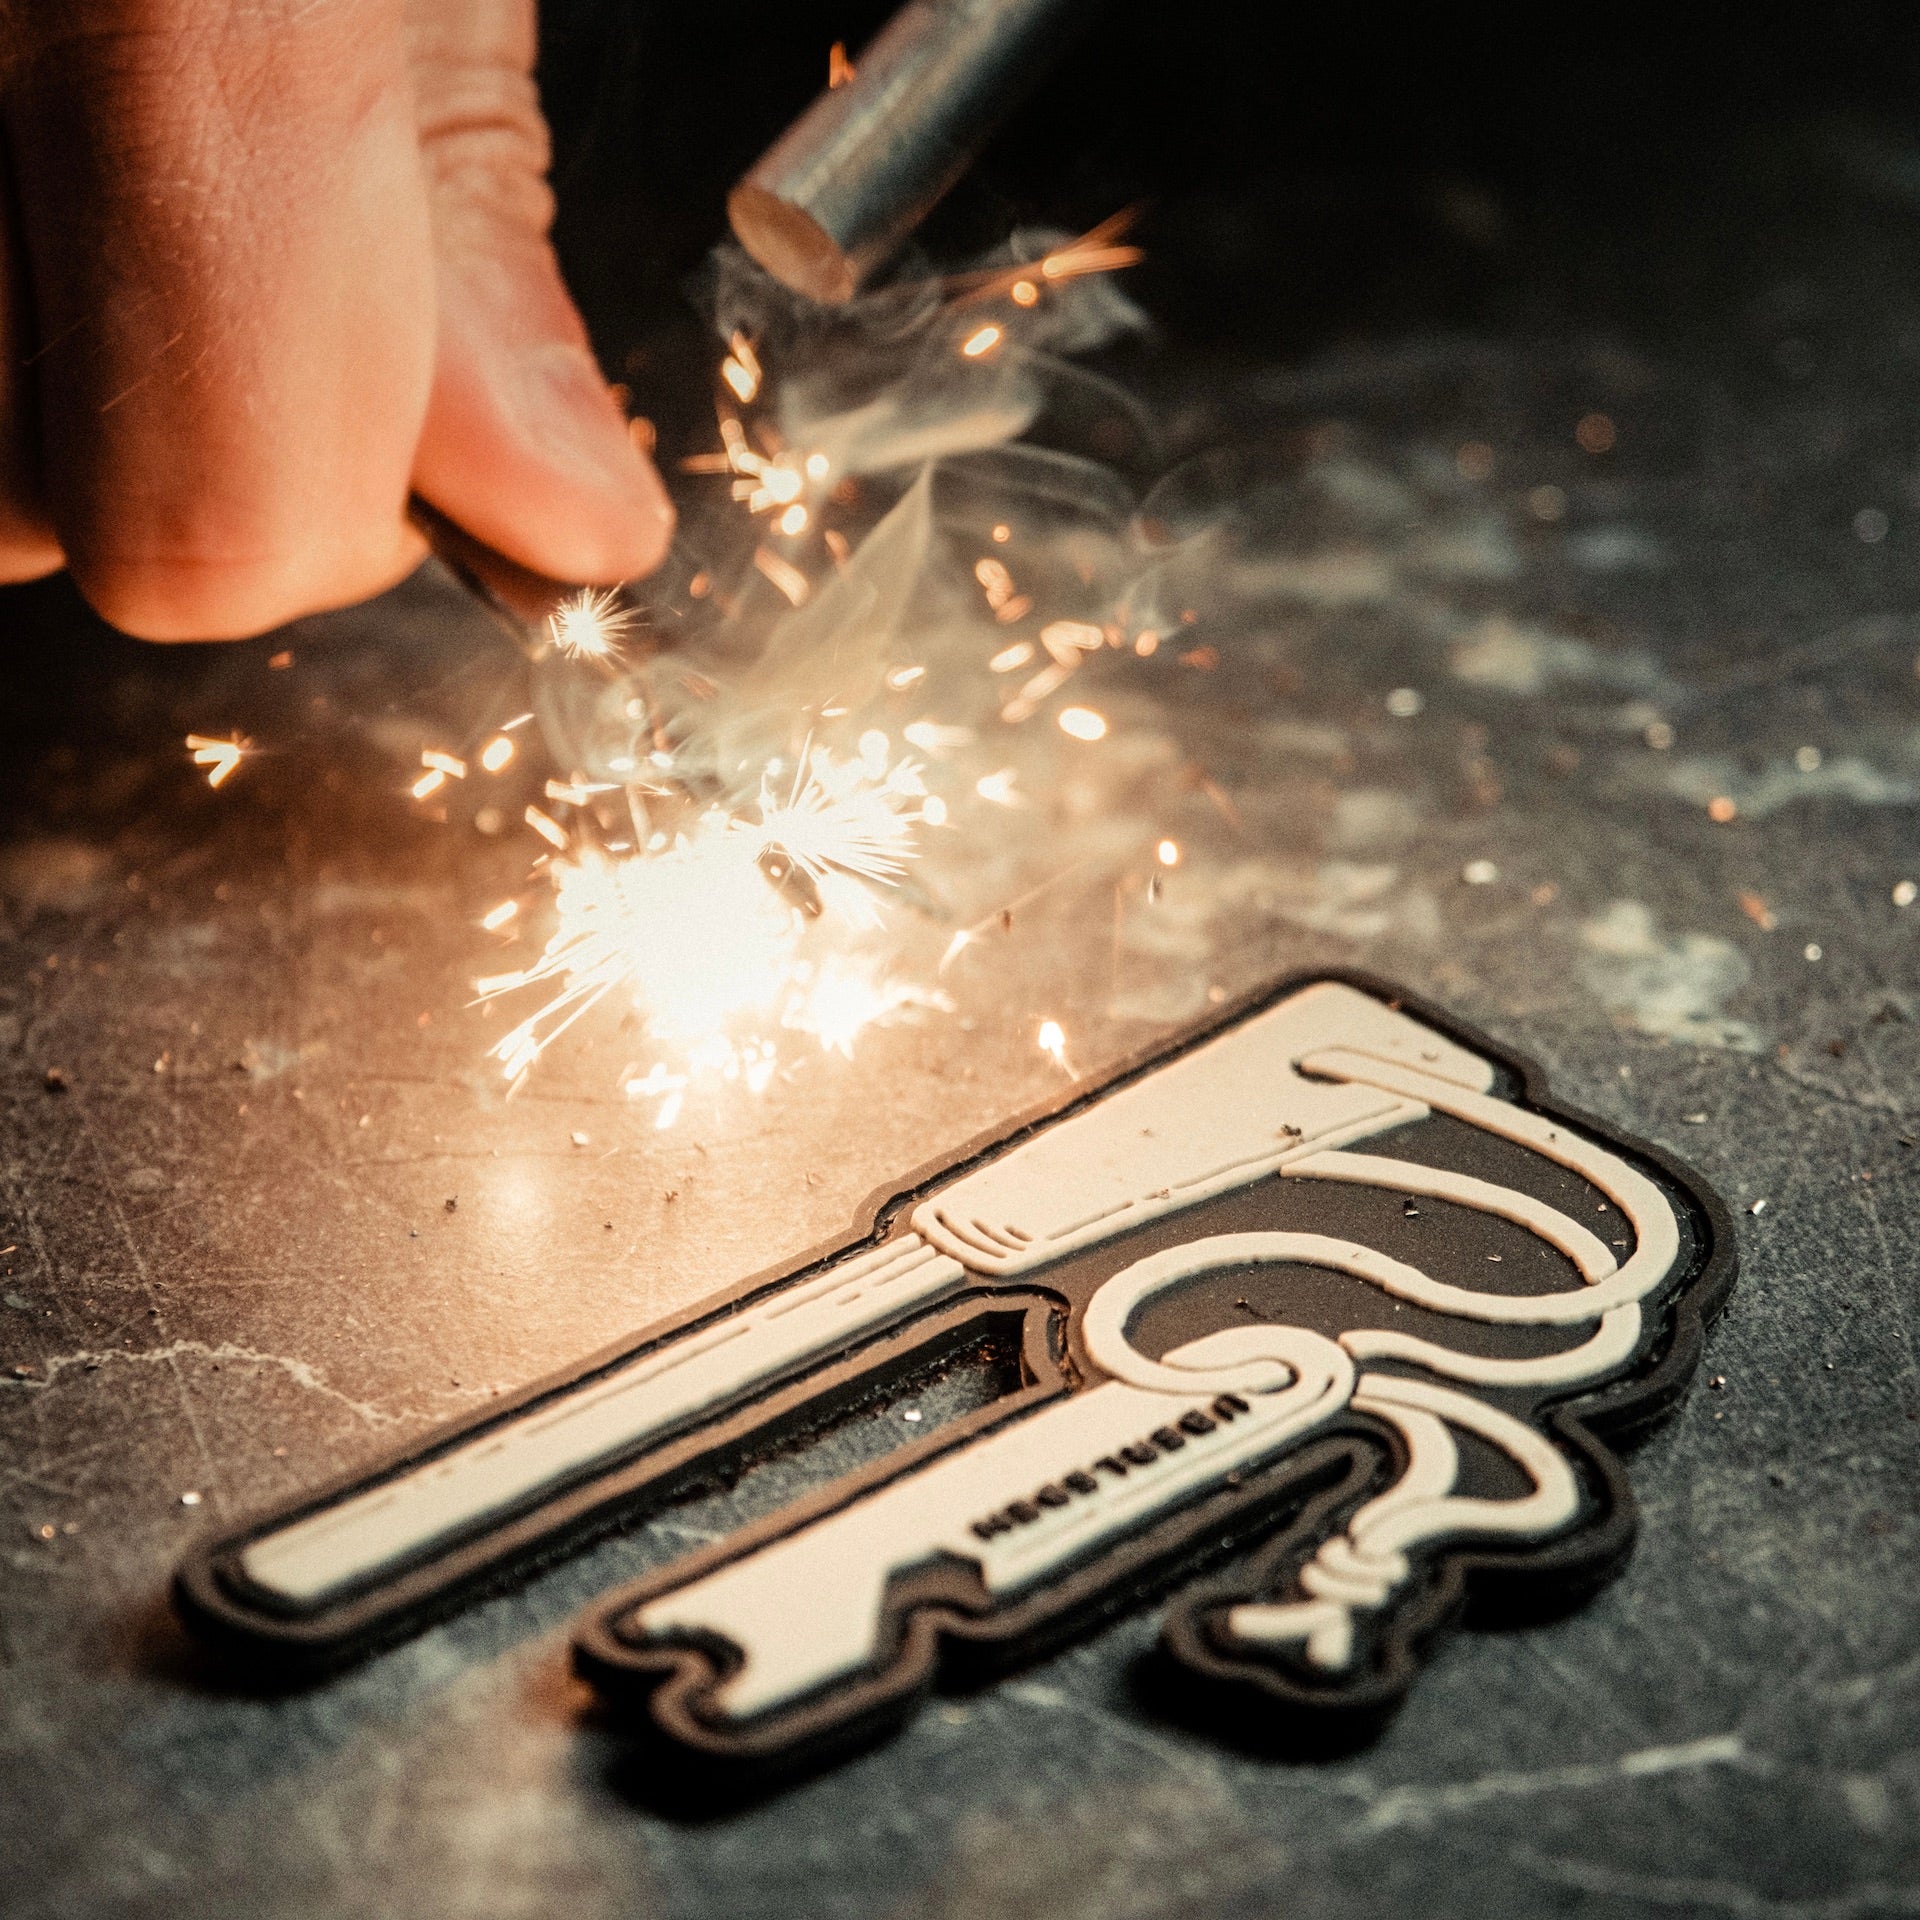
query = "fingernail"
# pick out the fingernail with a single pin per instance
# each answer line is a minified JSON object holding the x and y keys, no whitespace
{"x":574,"y":420}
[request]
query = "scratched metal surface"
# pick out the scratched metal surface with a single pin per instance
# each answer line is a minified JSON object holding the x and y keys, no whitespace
{"x":236,"y":1267}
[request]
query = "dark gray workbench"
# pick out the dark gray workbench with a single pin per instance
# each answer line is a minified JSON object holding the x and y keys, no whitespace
{"x":235,"y":1270}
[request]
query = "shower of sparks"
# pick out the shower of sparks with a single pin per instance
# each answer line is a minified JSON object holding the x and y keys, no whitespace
{"x":734,"y":915}
{"x":587,"y":625}
{"x":219,"y":757}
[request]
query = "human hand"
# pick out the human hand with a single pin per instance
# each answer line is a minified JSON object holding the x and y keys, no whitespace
{"x":270,"y":265}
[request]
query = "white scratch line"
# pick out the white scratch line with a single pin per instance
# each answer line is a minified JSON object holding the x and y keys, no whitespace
{"x":1718,"y":1896}
{"x":1415,"y":1806}
{"x":299,"y":1371}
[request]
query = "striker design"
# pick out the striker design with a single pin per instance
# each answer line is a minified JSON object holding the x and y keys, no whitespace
{"x":1326,"y":1282}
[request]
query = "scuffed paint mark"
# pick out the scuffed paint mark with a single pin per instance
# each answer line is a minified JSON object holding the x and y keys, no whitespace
{"x":1616,"y":550}
{"x":1672,"y":987}
{"x":56,"y":873}
{"x":1506,"y":657}
{"x":302,"y":1373}
{"x":1701,"y":778}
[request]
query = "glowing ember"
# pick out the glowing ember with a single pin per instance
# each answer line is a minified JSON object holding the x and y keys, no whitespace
{"x":499,"y":917}
{"x":981,"y":342}
{"x":1168,"y":853}
{"x":496,"y":753}
{"x":783,"y":574}
{"x":448,"y":763}
{"x":588,"y":624}
{"x":219,"y":757}
{"x":1082,"y":723}
{"x":429,"y":782}
{"x":1053,"y":1043}
{"x":741,"y":370}
{"x":547,"y":828}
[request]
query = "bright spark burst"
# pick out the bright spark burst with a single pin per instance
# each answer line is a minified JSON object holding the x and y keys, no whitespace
{"x":587,"y":625}
{"x":219,"y":757}
{"x":712,"y":934}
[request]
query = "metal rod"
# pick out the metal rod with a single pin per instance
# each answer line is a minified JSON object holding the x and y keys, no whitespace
{"x":861,"y":168}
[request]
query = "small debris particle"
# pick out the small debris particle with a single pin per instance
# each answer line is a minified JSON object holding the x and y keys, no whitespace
{"x":672,"y":1194}
{"x":56,"y":1080}
{"x":1694,"y":1119}
{"x":1807,"y":759}
{"x":281,"y":661}
{"x":1545,"y":894}
{"x":190,"y":1498}
{"x":46,"y":1531}
{"x":279,"y":1453}
{"x":22,"y":1371}
{"x":1409,"y":1210}
{"x":1905,"y":893}
{"x":1758,"y":1208}
{"x":1776,"y":1477}
{"x":1479,"y":873}
{"x":1720,"y":809}
{"x":913,"y":1414}
{"x":1495,"y":1258}
{"x":1754,"y":906}
{"x":1658,"y":735}
{"x":1813,"y":950}
{"x":1717,"y":1381}
{"x":413,"y":1233}
{"x":1405,"y":703}
{"x":1595,"y":433}
{"x":453,"y":1203}
{"x":1838,"y":1049}
{"x":580,"y":1139}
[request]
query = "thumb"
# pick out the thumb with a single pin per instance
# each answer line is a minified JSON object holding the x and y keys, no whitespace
{"x":523,"y":445}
